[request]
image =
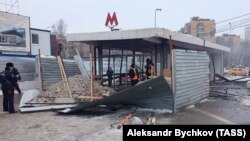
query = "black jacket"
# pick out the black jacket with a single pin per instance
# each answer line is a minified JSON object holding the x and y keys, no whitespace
{"x":10,"y":76}
{"x":132,"y":74}
{"x":4,"y":82}
{"x":16,"y":73}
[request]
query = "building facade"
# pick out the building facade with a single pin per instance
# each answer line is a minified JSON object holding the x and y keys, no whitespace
{"x":202,"y":28}
{"x":40,"y":39}
{"x":247,"y":33}
{"x":236,"y":56}
{"x":230,"y":40}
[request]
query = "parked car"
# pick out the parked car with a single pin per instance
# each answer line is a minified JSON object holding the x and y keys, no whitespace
{"x":237,"y":71}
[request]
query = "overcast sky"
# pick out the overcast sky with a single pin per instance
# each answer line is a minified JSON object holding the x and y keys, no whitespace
{"x":90,"y":15}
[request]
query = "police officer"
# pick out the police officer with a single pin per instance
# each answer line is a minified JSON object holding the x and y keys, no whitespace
{"x":8,"y":99}
{"x":8,"y":88}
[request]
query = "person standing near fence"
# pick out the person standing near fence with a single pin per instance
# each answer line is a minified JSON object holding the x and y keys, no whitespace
{"x":110,"y":73}
{"x":134,"y":75}
{"x":8,"y":88}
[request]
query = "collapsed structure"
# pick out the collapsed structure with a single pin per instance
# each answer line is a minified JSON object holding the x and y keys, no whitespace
{"x":191,"y":61}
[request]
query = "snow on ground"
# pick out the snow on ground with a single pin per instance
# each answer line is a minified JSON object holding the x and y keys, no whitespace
{"x":245,"y":100}
{"x":230,"y":77}
{"x":27,"y":96}
{"x":27,"y":85}
{"x":47,"y":126}
{"x":156,"y":111}
{"x":190,"y":107}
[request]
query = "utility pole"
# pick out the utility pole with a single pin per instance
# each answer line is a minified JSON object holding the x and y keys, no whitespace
{"x":158,"y":9}
{"x":230,"y":45}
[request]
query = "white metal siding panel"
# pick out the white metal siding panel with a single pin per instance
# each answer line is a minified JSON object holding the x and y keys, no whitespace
{"x":43,"y":45}
{"x":191,"y":77}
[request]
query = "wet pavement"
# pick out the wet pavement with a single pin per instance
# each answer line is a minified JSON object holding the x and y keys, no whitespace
{"x":211,"y":111}
{"x":90,"y":126}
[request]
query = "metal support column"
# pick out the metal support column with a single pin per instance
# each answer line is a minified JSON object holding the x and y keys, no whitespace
{"x":114,"y":71}
{"x":126,"y":71}
{"x":161,"y":60}
{"x":109,"y":58}
{"x":133,"y":57}
{"x":121,"y":69}
{"x":155,"y":54}
{"x":95,"y":58}
{"x":165,"y":47}
{"x":100,"y":61}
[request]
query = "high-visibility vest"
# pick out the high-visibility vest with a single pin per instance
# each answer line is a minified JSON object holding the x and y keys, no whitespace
{"x":135,"y":77}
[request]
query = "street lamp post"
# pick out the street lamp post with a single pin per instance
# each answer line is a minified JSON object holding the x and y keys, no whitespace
{"x":158,"y":9}
{"x":230,"y":45}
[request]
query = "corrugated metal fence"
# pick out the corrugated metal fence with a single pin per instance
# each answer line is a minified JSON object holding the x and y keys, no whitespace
{"x":51,"y":72}
{"x":191,"y":77}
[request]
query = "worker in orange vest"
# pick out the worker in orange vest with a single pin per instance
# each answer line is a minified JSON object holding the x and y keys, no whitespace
{"x":134,"y":75}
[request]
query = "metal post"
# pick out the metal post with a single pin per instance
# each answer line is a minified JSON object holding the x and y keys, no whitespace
{"x":40,"y":73}
{"x":155,"y":14}
{"x":143,"y":58}
{"x":230,"y":45}
{"x":133,"y":57}
{"x":95,"y":65}
{"x":91,"y":74}
{"x":121,"y":69}
{"x":171,"y":61}
{"x":109,"y":59}
{"x":126,"y":71}
{"x":100,"y":61}
{"x":155,"y":60}
{"x":114,"y":70}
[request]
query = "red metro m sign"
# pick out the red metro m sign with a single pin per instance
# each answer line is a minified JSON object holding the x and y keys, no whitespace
{"x":111,"y":22}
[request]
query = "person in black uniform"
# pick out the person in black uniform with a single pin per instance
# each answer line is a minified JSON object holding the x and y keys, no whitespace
{"x":8,"y":99}
{"x":110,"y":73}
{"x":8,"y":90}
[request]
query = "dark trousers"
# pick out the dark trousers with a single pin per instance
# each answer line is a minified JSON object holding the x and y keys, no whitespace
{"x":17,"y":88}
{"x":110,"y":81}
{"x":134,"y":82}
{"x":8,"y":100}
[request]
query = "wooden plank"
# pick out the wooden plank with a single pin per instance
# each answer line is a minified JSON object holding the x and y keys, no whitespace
{"x":64,"y":75}
{"x":45,"y":108}
{"x":64,"y":100}
{"x":89,"y":97}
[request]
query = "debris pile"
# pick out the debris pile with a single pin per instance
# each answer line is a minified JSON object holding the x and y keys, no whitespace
{"x":79,"y":87}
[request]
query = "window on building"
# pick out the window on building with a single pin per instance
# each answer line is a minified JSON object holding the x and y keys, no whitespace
{"x":200,"y":28}
{"x":35,"y":39}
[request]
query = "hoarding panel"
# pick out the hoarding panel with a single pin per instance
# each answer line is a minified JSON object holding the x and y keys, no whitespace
{"x":14,"y":32}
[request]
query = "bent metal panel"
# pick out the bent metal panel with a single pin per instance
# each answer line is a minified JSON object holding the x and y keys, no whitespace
{"x":14,"y":32}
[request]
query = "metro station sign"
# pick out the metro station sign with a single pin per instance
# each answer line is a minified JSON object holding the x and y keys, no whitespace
{"x":111,"y":21}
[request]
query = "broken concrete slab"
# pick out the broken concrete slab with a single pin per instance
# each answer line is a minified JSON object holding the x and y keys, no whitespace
{"x":154,"y":93}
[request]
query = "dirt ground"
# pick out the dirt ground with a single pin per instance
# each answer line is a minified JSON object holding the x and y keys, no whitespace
{"x":95,"y":124}
{"x":46,"y":126}
{"x":91,"y":125}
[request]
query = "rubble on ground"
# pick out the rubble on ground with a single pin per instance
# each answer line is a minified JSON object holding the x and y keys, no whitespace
{"x":79,"y":87}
